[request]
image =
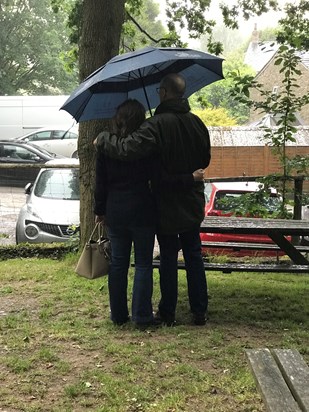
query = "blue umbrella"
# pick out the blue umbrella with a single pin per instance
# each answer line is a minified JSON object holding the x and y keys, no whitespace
{"x":137,"y":75}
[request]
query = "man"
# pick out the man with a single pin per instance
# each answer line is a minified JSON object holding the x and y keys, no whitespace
{"x":182,"y":141}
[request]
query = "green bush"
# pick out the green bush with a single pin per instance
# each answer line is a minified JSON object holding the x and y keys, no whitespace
{"x":39,"y":250}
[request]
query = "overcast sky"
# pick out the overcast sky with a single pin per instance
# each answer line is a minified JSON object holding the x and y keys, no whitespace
{"x":267,"y":20}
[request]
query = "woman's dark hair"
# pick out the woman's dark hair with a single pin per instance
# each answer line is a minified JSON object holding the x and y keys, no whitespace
{"x":129,"y":116}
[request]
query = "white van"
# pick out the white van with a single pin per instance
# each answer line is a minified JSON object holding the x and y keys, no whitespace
{"x":20,"y":115}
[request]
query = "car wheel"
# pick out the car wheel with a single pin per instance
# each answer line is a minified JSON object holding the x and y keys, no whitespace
{"x":75,"y":155}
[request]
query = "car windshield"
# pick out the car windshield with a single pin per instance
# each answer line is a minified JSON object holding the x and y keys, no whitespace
{"x":228,"y":201}
{"x":42,"y":150}
{"x":58,"y":184}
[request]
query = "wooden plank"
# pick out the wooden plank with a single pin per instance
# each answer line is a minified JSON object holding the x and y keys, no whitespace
{"x":255,"y":246}
{"x":258,"y":226}
{"x":258,"y":268}
{"x":241,"y":245}
{"x":270,"y":382}
{"x":243,"y":267}
{"x":296,"y":373}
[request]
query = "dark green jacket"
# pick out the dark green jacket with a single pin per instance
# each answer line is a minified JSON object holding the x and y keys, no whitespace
{"x":182,"y":141}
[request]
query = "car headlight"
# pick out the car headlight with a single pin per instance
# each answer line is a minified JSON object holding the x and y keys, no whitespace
{"x":32,"y":231}
{"x":32,"y":211}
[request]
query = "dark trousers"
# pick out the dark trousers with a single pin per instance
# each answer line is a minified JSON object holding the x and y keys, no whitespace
{"x":190,"y":244}
{"x":121,"y":242}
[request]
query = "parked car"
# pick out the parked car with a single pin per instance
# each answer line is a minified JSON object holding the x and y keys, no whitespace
{"x":51,"y":212}
{"x":59,"y":140}
{"x":220,"y":201}
{"x":23,"y":154}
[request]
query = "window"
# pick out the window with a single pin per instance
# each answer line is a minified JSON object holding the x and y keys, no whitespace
{"x":58,"y":134}
{"x":39,"y":136}
{"x":63,"y":134}
{"x":58,"y":184}
{"x":70,"y":135}
{"x":25,"y":154}
{"x":11,"y":153}
{"x":226,"y":201}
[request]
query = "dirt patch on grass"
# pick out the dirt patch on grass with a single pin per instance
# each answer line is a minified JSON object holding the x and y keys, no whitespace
{"x":15,"y":304}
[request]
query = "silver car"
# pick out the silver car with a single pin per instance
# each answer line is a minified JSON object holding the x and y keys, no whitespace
{"x":59,"y":140}
{"x":51,"y":212}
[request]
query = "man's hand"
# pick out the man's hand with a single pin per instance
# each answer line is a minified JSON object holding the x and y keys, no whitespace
{"x":198,"y":175}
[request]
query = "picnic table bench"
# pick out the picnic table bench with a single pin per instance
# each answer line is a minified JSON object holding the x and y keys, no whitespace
{"x":276,"y":229}
{"x":261,"y":249}
{"x":282,"y":377}
{"x":237,"y":246}
{"x":244,"y":267}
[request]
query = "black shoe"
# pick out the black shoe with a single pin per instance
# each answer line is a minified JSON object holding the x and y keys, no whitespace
{"x":168,"y":320}
{"x":121,"y":322}
{"x":199,"y":319}
{"x":154,"y":323}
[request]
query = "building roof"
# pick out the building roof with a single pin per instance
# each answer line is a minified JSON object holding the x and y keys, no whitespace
{"x":236,"y":136}
{"x":271,"y":120}
{"x":304,"y":57}
{"x":260,"y":53}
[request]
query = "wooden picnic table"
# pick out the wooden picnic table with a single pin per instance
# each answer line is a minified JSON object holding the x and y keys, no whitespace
{"x":276,"y":229}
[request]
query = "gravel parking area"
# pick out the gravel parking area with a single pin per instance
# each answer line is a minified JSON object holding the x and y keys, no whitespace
{"x":11,"y":200}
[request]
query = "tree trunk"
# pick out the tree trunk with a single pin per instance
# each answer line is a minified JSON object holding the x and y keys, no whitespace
{"x":100,"y":36}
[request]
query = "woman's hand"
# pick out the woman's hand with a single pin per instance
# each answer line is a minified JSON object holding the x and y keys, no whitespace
{"x":198,"y":175}
{"x":99,"y":219}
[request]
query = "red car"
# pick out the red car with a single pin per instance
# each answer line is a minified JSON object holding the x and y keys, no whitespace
{"x":221,"y":200}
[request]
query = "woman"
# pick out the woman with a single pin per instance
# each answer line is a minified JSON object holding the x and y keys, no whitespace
{"x":123,"y":200}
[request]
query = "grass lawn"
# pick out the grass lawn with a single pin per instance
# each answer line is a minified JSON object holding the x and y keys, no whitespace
{"x":60,"y":352}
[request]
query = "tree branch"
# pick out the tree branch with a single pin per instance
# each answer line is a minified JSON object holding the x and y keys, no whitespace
{"x":144,"y":31}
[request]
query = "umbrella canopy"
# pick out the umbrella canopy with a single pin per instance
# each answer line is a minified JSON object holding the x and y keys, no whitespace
{"x":136,"y":75}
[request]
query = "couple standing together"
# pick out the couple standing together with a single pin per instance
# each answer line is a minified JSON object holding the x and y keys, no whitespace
{"x":149,"y":180}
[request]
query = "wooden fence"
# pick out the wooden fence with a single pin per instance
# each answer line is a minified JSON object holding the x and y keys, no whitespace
{"x":227,"y":161}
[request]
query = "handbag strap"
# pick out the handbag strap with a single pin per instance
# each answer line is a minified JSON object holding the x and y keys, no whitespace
{"x":101,"y":229}
{"x":96,"y":228}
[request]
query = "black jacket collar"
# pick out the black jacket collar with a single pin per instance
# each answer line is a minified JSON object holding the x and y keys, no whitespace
{"x":173,"y":106}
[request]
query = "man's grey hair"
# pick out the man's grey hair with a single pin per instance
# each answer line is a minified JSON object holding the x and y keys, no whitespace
{"x":174,"y":83}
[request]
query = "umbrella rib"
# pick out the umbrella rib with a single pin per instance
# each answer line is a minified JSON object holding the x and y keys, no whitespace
{"x":138,"y":73}
{"x":80,"y":110}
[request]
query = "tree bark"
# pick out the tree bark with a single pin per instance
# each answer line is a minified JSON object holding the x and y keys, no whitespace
{"x":100,"y":37}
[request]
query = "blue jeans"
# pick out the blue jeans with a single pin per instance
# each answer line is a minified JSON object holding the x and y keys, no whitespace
{"x":121,"y":241}
{"x":190,"y":243}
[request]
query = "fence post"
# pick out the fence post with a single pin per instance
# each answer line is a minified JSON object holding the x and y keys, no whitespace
{"x":298,"y":196}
